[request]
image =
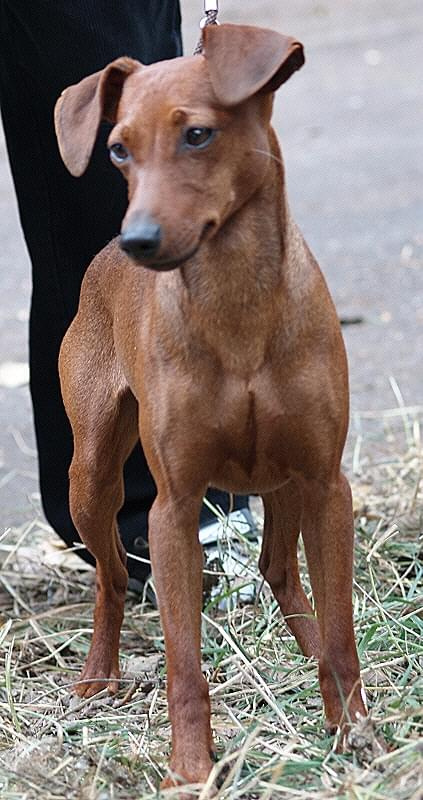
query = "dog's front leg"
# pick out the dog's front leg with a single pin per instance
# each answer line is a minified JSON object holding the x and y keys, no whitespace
{"x":177,"y":563}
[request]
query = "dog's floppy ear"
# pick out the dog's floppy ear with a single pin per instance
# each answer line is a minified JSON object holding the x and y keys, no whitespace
{"x":243,"y":60}
{"x":81,"y":107}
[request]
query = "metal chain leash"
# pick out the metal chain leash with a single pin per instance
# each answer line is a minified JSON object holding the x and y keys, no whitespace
{"x":211,"y":11}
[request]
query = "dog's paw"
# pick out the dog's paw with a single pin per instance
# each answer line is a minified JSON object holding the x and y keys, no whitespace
{"x":100,"y":672}
{"x":88,"y":687}
{"x":192,"y":777}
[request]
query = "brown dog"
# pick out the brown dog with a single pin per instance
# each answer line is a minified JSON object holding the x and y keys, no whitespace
{"x":207,"y":329}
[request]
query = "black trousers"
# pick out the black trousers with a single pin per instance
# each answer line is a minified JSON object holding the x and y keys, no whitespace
{"x":46,"y":45}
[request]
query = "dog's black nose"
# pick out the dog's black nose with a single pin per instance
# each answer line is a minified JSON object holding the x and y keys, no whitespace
{"x":141,"y":239}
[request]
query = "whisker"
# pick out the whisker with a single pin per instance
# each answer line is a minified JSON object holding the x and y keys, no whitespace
{"x":267,"y":153}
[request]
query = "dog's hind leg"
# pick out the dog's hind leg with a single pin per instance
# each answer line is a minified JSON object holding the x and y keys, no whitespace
{"x":279,"y":564}
{"x":103,"y":414}
{"x":328,"y":533}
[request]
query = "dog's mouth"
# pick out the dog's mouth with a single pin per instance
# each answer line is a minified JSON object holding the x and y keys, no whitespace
{"x":167,"y":263}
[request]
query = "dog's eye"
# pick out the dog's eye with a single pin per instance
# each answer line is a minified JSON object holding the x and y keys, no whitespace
{"x":118,"y":153}
{"x":198,"y":137}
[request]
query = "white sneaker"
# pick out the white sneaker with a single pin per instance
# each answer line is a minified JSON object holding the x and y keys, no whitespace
{"x":230,"y":554}
{"x":230,"y":545}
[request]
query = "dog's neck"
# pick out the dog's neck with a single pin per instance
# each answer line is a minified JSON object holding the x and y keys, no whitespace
{"x":244,"y":262}
{"x":232,"y":295}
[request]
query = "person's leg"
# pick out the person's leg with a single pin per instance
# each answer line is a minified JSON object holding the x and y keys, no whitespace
{"x":44,"y":47}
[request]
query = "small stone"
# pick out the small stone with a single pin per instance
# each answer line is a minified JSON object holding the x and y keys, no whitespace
{"x":14,"y":374}
{"x":373,"y":57}
{"x":406,"y":253}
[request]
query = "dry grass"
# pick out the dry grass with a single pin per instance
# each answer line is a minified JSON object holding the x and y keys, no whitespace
{"x":267,"y":714}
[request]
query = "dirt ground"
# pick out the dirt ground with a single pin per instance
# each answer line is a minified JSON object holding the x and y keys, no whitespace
{"x":351,"y":126}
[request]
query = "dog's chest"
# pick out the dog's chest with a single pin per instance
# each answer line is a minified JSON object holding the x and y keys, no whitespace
{"x":251,"y":434}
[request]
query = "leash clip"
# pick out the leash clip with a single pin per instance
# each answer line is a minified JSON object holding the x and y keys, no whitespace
{"x":211,"y":10}
{"x":206,"y":21}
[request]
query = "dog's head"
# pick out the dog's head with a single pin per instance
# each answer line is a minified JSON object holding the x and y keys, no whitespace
{"x":191,"y":135}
